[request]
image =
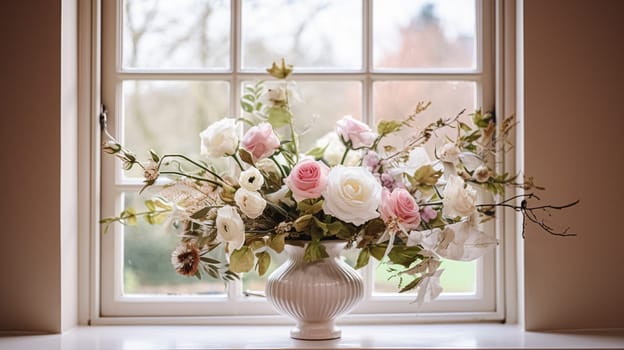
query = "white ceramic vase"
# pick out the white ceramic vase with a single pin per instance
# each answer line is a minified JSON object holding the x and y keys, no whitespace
{"x":316,"y":293}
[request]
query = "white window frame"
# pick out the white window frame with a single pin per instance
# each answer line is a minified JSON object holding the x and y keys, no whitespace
{"x":106,"y":305}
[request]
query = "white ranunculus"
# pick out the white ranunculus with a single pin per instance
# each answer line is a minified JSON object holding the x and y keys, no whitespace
{"x":334,"y":150}
{"x":220,"y":138}
{"x":352,"y":194}
{"x":458,"y":199}
{"x":251,"y":179}
{"x":230,"y":227}
{"x":449,"y":153}
{"x":250,"y":203}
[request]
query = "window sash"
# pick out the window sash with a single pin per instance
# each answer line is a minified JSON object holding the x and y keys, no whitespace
{"x":113,"y":303}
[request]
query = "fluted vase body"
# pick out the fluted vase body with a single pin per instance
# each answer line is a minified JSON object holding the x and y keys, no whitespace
{"x":315,"y":293}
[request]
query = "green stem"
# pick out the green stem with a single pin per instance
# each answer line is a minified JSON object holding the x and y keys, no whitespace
{"x":192,"y":162}
{"x":430,"y":204}
{"x":344,"y":155}
{"x":192,"y":177}
{"x":278,"y":166}
{"x":293,"y":135}
{"x":238,"y":162}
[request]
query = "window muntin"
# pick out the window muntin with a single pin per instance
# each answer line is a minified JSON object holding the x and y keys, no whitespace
{"x":194,"y":92}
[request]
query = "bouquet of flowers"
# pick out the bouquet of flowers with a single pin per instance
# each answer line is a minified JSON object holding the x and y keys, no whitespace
{"x":390,"y":200}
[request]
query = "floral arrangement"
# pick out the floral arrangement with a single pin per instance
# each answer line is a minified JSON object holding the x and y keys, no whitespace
{"x":389,"y":200}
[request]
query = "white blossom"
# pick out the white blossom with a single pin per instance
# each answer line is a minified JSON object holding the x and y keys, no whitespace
{"x":352,"y":194}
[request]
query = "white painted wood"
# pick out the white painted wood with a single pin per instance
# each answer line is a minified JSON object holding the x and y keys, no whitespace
{"x":387,"y":336}
{"x":107,"y":302}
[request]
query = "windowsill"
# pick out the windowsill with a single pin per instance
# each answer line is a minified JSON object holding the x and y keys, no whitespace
{"x":423,"y":336}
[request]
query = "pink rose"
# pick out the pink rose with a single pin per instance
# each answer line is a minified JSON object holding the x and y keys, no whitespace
{"x":355,"y":131}
{"x":260,"y":141}
{"x":307,"y":179}
{"x":400,"y":205}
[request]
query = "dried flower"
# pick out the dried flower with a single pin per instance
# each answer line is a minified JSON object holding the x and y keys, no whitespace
{"x":185,"y":259}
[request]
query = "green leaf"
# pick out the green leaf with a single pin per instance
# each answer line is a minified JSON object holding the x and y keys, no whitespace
{"x":241,"y":260}
{"x":154,"y":155}
{"x":245,"y":156}
{"x":377,"y":251}
{"x":303,"y":222}
{"x":404,"y":255}
{"x":156,"y":218}
{"x":280,"y":71}
{"x":247,"y":107}
{"x":314,"y":251}
{"x":129,"y":215}
{"x":212,"y":273}
{"x":386,"y":127}
{"x":310,"y":206}
{"x":426,"y":175}
{"x":374,"y":227}
{"x":277,"y":242}
{"x":264,"y":260}
{"x":278,"y":117}
{"x":413,"y":284}
{"x":201,"y":213}
{"x":464,"y":127}
{"x":255,"y":245}
{"x":317,"y":152}
{"x":363,"y":258}
{"x":198,"y":275}
{"x":149,"y":204}
{"x":208,"y":260}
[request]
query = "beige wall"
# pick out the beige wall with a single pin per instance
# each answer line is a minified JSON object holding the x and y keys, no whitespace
{"x":574,"y":145}
{"x":37,"y":110}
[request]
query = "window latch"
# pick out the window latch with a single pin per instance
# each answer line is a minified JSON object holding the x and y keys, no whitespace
{"x":103,"y":117}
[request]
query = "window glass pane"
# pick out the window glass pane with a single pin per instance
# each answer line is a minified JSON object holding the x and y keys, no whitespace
{"x":147,"y":267}
{"x":167,"y":116}
{"x":458,"y":277}
{"x":317,"y":105}
{"x":424,"y":34}
{"x":176,"y":34}
{"x":395,"y":100}
{"x":309,"y":34}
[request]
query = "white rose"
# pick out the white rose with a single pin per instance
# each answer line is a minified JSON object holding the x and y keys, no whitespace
{"x":458,"y":200}
{"x":352,"y":194}
{"x":220,"y":138}
{"x":250,"y":203}
{"x":449,"y":153}
{"x":481,"y":174}
{"x":251,"y":179}
{"x":334,"y":150}
{"x":230,"y":227}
